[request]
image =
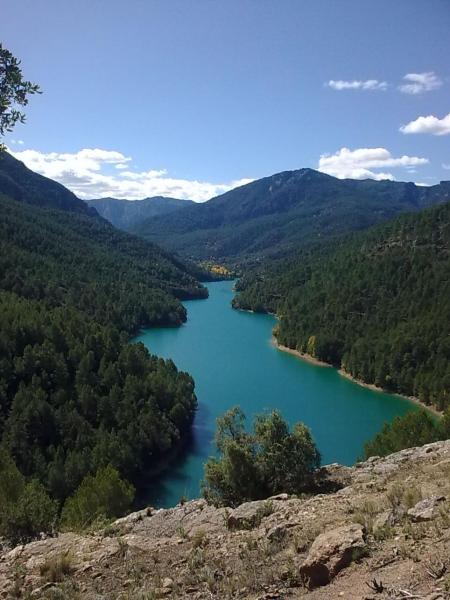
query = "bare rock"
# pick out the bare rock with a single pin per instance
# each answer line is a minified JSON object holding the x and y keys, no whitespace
{"x":135,"y":517}
{"x":427,"y":509}
{"x":277,"y":533}
{"x":387,"y":518}
{"x":248,"y":515}
{"x":331,"y":552}
{"x":282,"y":496}
{"x":161,"y":592}
{"x":167,"y":583}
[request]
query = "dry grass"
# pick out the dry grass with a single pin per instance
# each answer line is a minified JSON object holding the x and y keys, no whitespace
{"x":199,"y":539}
{"x":366,"y":513}
{"x":57,"y":567}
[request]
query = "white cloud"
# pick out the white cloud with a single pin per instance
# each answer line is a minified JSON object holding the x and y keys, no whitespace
{"x":359,"y":163}
{"x":89,"y":173}
{"x":418,"y":83}
{"x":430,"y":124}
{"x":369,"y":84}
{"x":446,"y":166}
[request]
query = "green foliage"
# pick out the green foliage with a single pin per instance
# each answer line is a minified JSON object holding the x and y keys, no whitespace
{"x":83,"y":262}
{"x":14,"y":92}
{"x":101,"y":496}
{"x":376,"y":304}
{"x":12,"y":481}
{"x":34,"y":513}
{"x":26,"y":510}
{"x":275,"y":216}
{"x":256,"y":465}
{"x":413,"y":429}
{"x":75,"y":396}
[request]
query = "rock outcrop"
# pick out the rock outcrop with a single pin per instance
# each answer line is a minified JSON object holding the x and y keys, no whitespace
{"x":331,"y":552}
{"x":384,"y":534}
{"x":427,"y":509}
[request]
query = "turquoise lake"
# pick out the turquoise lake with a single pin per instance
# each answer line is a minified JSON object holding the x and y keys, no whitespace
{"x":230,"y":355}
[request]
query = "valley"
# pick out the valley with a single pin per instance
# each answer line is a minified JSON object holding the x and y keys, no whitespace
{"x":109,"y":403}
{"x":234,"y":362}
{"x":224,"y":300}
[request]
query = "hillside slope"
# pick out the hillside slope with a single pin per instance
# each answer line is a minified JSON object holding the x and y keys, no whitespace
{"x":126,"y":214}
{"x":21,"y":184}
{"x":388,"y":527}
{"x":75,"y":396}
{"x":376,"y":304}
{"x":276,"y":215}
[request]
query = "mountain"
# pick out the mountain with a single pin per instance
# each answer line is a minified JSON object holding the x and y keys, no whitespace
{"x":75,"y":395}
{"x":276,"y":215}
{"x":126,"y":214}
{"x":20,"y":183}
{"x":375,"y":304}
{"x":74,"y":246}
{"x":83,"y":261}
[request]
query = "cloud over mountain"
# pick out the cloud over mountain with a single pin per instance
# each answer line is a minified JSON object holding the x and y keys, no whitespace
{"x":359,"y":163}
{"x":95,"y":173}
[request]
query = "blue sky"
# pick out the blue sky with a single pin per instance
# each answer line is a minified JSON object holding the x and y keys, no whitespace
{"x":188,"y":98}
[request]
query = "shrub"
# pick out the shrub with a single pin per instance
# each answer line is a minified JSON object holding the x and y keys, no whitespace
{"x":33,"y":513}
{"x":26,"y":510}
{"x":101,"y":496}
{"x":251,"y":466}
{"x":413,"y":429}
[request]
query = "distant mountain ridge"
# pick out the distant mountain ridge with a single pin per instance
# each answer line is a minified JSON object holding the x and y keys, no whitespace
{"x":126,"y":214}
{"x":276,"y":215}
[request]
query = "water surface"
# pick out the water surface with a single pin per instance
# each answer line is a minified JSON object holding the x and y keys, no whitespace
{"x":230,"y":355}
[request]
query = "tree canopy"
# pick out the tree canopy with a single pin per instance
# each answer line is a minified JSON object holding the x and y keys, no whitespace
{"x":14,"y":92}
{"x":104,"y":495}
{"x":75,"y":396}
{"x":413,"y":429}
{"x":256,"y":465}
{"x":376,"y":304}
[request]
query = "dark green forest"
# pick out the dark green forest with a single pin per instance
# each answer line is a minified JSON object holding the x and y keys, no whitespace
{"x":85,"y":262}
{"x":76,"y":397}
{"x":376,"y":304}
{"x":275,"y":216}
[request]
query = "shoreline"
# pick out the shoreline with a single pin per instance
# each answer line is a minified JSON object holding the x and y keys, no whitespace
{"x":302,"y":355}
{"x":371,"y":386}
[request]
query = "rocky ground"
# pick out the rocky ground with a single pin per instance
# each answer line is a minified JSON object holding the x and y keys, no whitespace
{"x":384,"y":534}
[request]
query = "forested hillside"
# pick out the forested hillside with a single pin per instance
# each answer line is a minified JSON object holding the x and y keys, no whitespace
{"x":376,"y":304}
{"x":20,"y":183}
{"x":126,"y":214}
{"x":275,"y":216}
{"x":85,"y":262}
{"x":75,"y":396}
